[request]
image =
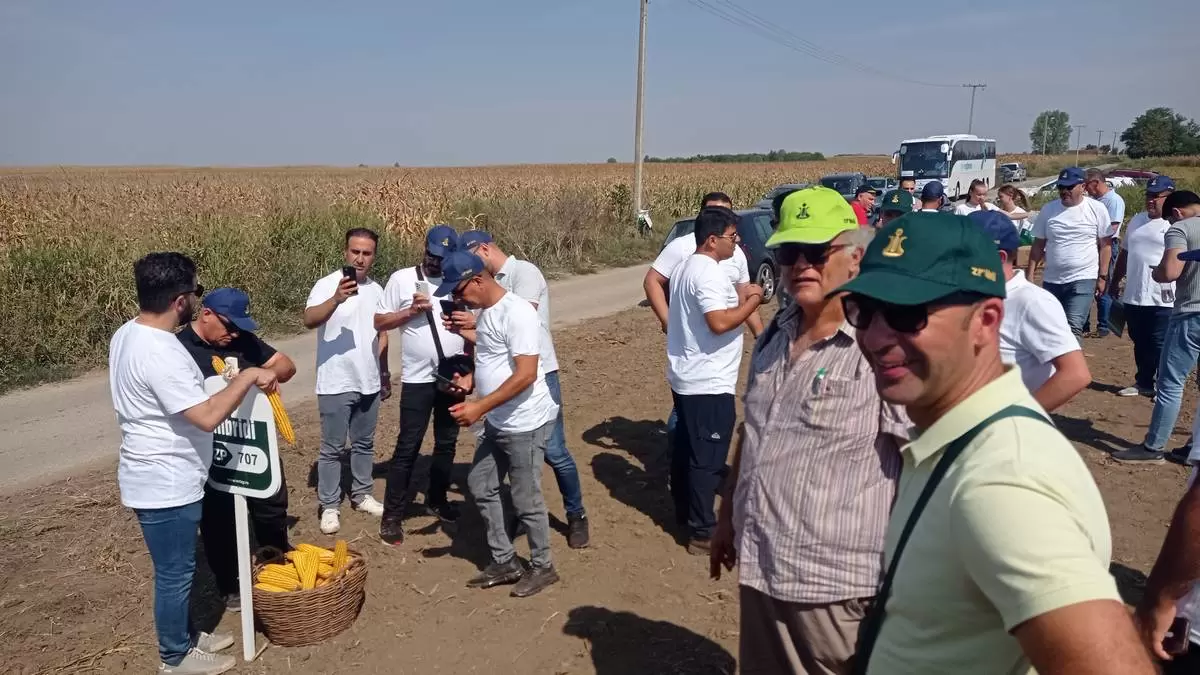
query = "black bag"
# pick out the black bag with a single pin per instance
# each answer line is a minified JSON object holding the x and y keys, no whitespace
{"x":458,"y":364}
{"x":869,"y":630}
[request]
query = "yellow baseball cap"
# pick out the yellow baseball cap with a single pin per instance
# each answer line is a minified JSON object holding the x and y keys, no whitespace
{"x":814,"y":215}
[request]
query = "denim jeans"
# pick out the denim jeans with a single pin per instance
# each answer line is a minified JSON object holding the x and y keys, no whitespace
{"x":1147,"y":328}
{"x":1105,"y":301}
{"x":520,"y":456}
{"x":418,"y":402}
{"x":1181,"y":347}
{"x":559,"y":457}
{"x":1076,"y":298}
{"x":170,"y":535}
{"x":352,"y":414}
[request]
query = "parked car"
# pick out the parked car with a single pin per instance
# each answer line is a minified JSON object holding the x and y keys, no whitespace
{"x":845,"y":183}
{"x":1139,"y":176}
{"x":754,"y":227}
{"x":1011,"y":172}
{"x":765,"y":202}
{"x":882,"y":183}
{"x":1051,"y":186}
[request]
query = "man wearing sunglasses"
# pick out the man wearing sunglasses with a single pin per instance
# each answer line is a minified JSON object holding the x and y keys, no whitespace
{"x":224,"y":328}
{"x":1001,"y":534}
{"x":818,"y":454}
{"x":1074,"y":236}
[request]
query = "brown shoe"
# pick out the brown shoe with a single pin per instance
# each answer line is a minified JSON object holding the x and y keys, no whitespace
{"x":698,"y":546}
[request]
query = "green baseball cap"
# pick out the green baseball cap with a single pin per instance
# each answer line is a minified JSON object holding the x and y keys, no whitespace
{"x":814,"y":215}
{"x":897,"y":200}
{"x":923,"y":256}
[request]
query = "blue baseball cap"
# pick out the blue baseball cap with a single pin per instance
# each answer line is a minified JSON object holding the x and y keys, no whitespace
{"x":472,"y":238}
{"x":232,"y":304}
{"x":1071,"y":176}
{"x":457,"y":267}
{"x":1159,"y":185}
{"x":999,"y":228}
{"x":441,"y":240}
{"x":933,"y":190}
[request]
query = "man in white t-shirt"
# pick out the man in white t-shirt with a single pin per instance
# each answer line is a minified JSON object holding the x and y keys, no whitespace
{"x":1096,"y":184}
{"x":1034,"y":334}
{"x":524,"y":279}
{"x":976,"y":200}
{"x":166,"y":420}
{"x":407,"y":302}
{"x":1074,"y":236}
{"x":704,"y":354}
{"x":519,"y":415}
{"x":1147,"y":303}
{"x":352,"y":377}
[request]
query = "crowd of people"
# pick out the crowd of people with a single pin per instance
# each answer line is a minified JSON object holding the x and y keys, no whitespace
{"x":898,"y":499}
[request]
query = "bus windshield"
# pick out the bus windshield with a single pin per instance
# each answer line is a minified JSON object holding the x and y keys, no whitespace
{"x":923,"y":160}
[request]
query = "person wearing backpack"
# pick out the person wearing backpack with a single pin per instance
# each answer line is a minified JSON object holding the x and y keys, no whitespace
{"x":997,"y":552}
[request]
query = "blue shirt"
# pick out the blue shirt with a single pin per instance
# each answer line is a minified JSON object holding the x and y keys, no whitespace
{"x":1116,"y":209}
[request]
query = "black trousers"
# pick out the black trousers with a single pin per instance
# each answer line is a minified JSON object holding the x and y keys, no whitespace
{"x":268,"y":520}
{"x":417,"y":403}
{"x":702,"y":437}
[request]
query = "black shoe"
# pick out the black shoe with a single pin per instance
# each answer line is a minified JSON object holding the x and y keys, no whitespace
{"x":698,"y":546}
{"x":1180,"y":455}
{"x":577,"y":532}
{"x":391,"y":531}
{"x":1138,"y":455}
{"x":535,"y":581}
{"x":447,"y":512}
{"x":497,"y":574}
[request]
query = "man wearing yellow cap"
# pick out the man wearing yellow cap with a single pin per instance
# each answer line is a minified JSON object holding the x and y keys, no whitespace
{"x":806,"y":506}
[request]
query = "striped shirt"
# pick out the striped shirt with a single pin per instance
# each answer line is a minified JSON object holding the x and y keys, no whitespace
{"x":819,"y":462}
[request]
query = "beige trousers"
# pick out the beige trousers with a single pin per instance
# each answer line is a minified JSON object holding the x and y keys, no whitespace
{"x":779,"y":637}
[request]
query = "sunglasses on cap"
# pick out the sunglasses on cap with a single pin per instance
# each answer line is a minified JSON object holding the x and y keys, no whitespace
{"x":909,"y":319}
{"x":198,"y":290}
{"x":813,"y":254}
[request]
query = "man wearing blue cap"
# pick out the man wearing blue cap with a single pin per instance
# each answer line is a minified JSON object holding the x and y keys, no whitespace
{"x":519,"y":416}
{"x":1074,"y":236}
{"x":1147,"y":303}
{"x":933,"y":196}
{"x":1034,"y":334}
{"x":409,"y":303}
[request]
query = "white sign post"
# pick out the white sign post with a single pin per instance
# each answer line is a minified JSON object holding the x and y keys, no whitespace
{"x":246,"y":464}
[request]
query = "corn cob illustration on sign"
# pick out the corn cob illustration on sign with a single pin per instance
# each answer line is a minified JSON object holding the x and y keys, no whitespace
{"x":245,"y":447}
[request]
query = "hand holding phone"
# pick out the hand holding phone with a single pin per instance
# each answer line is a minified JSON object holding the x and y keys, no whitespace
{"x":351,"y":274}
{"x":424,"y":288}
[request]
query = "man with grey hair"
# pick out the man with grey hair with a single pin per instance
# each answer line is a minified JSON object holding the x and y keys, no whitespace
{"x":1096,"y":184}
{"x":818,"y":455}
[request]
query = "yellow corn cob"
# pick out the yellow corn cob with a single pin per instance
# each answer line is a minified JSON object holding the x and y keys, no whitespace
{"x":306,"y":564}
{"x":325,"y":570}
{"x":341,"y":555}
{"x":218,"y":364}
{"x":280,"y":579}
{"x":323,"y":554}
{"x":270,"y":588}
{"x":282,"y":423}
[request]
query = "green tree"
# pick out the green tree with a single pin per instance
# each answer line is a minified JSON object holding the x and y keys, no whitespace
{"x":1051,"y":133}
{"x":1161,"y":132}
{"x":612,"y":160}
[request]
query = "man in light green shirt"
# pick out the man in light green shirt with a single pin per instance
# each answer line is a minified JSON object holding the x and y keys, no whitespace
{"x":1005,"y":566}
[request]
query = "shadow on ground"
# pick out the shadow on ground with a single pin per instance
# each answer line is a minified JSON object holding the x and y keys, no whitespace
{"x":1084,"y":431}
{"x":623,"y":643}
{"x":641,"y":484}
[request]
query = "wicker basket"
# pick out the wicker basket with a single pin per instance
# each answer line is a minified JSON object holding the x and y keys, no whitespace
{"x":301,"y":618}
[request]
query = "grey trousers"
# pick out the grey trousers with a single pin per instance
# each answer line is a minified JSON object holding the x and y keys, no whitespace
{"x":519,"y":455}
{"x":350,"y":414}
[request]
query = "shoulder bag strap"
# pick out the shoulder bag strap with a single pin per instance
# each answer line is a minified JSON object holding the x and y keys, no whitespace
{"x":874,"y":620}
{"x":437,"y":341}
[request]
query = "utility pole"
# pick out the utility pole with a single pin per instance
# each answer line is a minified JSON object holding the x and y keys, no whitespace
{"x":1099,"y":136}
{"x":637,"y":129}
{"x":1045,"y":132}
{"x":971,"y":118}
{"x":1113,"y":147}
{"x":1078,"y":130}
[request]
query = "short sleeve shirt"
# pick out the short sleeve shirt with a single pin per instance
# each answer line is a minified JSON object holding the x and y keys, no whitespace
{"x":1072,"y":236}
{"x":526,"y":281}
{"x":1185,"y":235}
{"x":503,"y":332}
{"x":681,"y":248}
{"x":1115,"y":205}
{"x":1144,"y":243}
{"x":247,"y":348}
{"x":418,"y":353}
{"x":700,"y":361}
{"x":1034,"y":331}
{"x":347,"y":344}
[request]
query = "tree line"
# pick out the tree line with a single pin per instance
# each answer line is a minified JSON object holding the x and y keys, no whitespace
{"x":1158,"y":132}
{"x":744,"y":158}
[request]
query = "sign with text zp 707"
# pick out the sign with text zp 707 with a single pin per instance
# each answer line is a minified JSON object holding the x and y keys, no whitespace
{"x":245,"y":448}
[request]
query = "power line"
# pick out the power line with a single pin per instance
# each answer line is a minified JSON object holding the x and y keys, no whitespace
{"x":971,"y":118}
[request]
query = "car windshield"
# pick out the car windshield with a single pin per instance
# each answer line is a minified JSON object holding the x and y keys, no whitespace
{"x":844,"y":185}
{"x":878,"y":183}
{"x":1009,"y":166}
{"x":923,"y":160}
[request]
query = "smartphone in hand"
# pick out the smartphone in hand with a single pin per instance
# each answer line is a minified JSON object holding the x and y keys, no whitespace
{"x":349,"y":272}
{"x":1178,"y":635}
{"x":424,"y":289}
{"x":449,"y":307}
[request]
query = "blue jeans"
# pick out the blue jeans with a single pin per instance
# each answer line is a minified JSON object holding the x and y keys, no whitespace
{"x":1147,"y":328}
{"x":1104,"y":302}
{"x":1181,"y":347}
{"x":170,"y":536}
{"x":1076,"y":298}
{"x":560,"y":459}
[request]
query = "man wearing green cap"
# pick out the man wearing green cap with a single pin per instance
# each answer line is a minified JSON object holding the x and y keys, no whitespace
{"x":998,"y":548}
{"x":893,"y":205}
{"x":818,"y":455}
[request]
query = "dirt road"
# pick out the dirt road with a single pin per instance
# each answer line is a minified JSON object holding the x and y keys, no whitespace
{"x":59,"y":429}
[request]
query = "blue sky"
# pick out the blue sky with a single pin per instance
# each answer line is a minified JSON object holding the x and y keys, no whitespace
{"x":462,"y":82}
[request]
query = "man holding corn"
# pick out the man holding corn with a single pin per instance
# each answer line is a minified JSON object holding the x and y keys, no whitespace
{"x":166,"y":420}
{"x":223,"y":328}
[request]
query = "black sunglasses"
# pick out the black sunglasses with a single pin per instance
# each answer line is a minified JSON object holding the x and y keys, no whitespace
{"x":229,"y":327}
{"x":198,"y":290}
{"x":909,"y":319}
{"x":814,"y":254}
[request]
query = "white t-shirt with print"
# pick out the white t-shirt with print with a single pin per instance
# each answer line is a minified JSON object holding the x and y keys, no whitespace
{"x":1034,"y":331}
{"x":1071,"y":234}
{"x":1144,"y":244}
{"x":164,"y":458}
{"x":681,"y":248}
{"x":418,"y":353}
{"x":504,"y":331}
{"x":525,"y":280}
{"x":347,"y":344}
{"x":966,"y":209}
{"x":698,"y":360}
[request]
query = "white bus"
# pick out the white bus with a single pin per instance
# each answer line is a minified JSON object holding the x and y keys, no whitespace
{"x":953,"y":159}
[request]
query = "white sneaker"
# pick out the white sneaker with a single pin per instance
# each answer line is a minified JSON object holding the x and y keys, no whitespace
{"x":331,"y":521}
{"x":213,"y":642}
{"x":200,"y":663}
{"x":369,"y":506}
{"x":1128,"y":391}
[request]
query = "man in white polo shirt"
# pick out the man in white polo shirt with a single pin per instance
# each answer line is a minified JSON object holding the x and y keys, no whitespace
{"x":351,"y":377}
{"x":1074,"y":236}
{"x":1034,"y":334}
{"x":704,"y":353}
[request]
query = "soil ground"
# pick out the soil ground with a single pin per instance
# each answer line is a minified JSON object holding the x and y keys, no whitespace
{"x":76,"y":583}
